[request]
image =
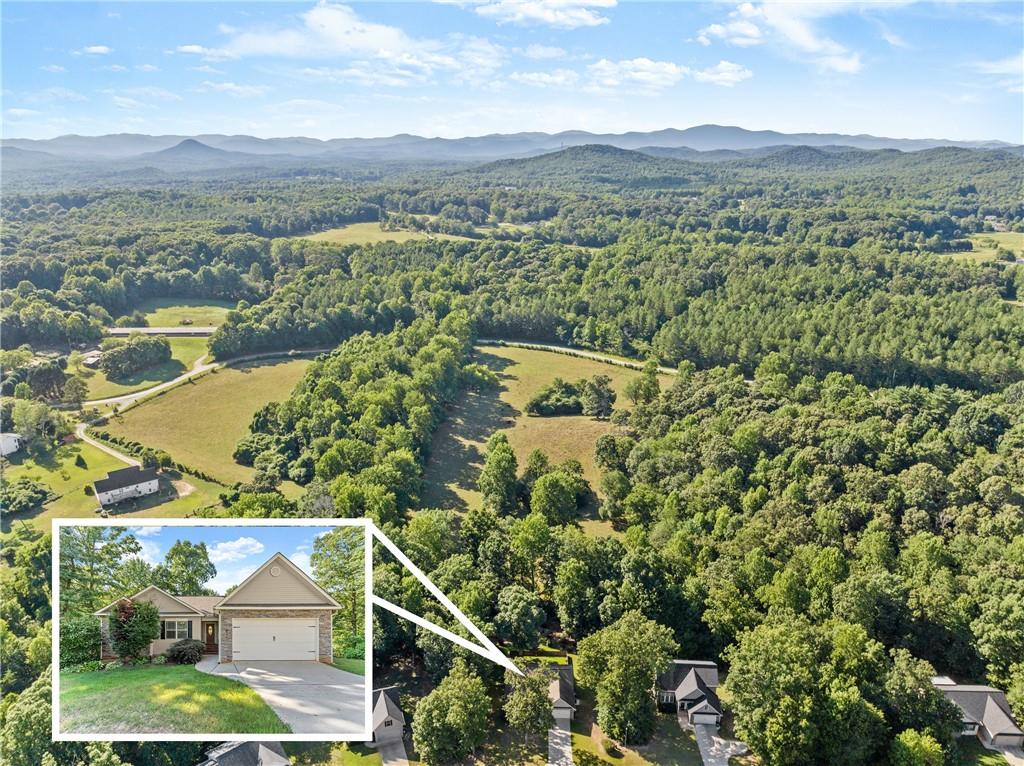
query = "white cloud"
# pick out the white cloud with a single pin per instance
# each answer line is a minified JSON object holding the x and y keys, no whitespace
{"x":151,"y":93}
{"x":114,"y":68}
{"x":53,"y":68}
{"x":234,"y":89}
{"x":206,"y":68}
{"x":724,"y":73}
{"x":50,"y":95}
{"x":234,"y":550}
{"x":213,"y":54}
{"x":229,"y":576}
{"x":147,"y":68}
{"x":792,"y":28}
{"x":96,"y":50}
{"x":149,"y":552}
{"x":563,"y":14}
{"x":124,"y":102}
{"x":144,"y":531}
{"x":539,"y":52}
{"x":559,"y":78}
{"x":302,"y":561}
{"x":20,"y":114}
{"x":1009,"y":71}
{"x":367,"y":73}
{"x":642,"y":73}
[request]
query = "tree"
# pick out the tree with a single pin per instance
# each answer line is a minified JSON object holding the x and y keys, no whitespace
{"x":30,"y":419}
{"x":75,"y":391}
{"x":453,"y":720}
{"x":90,"y":559}
{"x":912,"y":748}
{"x":519,"y":618}
{"x":497,"y":481}
{"x":338,"y":567}
{"x":621,"y":662}
{"x":598,"y":397}
{"x":75,"y":360}
{"x":133,"y":626}
{"x":913,"y":702}
{"x":26,"y":732}
{"x":186,"y":569}
{"x":528,"y":707}
{"x":554,"y":497}
{"x":645,"y":388}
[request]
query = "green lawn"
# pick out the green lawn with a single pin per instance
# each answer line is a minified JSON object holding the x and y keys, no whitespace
{"x":670,"y":745}
{"x":971,"y":753}
{"x":179,"y":495}
{"x":987,"y":245}
{"x":158,"y":699}
{"x":457,"y":449}
{"x":350,"y":665}
{"x":184,"y":353}
{"x":369,"y":233}
{"x":199,"y":422}
{"x":170,"y":312}
{"x":331,"y":754}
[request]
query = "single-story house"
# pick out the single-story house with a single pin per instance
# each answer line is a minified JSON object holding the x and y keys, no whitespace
{"x":562,"y":691}
{"x":246,"y":754}
{"x":125,"y":484}
{"x":689,"y":686}
{"x":91,"y":359}
{"x":10,"y":443}
{"x":388,"y":718}
{"x":985,"y":713}
{"x":277,"y":613}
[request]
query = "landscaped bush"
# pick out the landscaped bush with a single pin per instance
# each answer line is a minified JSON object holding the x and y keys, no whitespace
{"x":160,"y":659}
{"x":133,"y":627}
{"x":83,"y":667}
{"x":79,"y":640}
{"x":188,"y":651}
{"x":349,"y":646}
{"x":114,"y":665}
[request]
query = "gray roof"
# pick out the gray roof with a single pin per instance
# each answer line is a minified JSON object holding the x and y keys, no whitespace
{"x":389,"y":706}
{"x":247,"y":754}
{"x":672,"y":678}
{"x":204,"y":604}
{"x":125,"y":477}
{"x":563,"y":686}
{"x":983,"y":705}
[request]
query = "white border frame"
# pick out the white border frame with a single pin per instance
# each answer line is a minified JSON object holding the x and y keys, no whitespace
{"x":366,"y":735}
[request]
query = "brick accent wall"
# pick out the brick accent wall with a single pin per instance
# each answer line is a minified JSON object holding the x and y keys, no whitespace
{"x":326,"y":645}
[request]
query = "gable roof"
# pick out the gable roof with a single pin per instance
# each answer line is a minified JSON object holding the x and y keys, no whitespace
{"x":983,"y":705}
{"x":125,"y":477}
{"x":204,"y":604}
{"x":562,"y":689}
{"x":385,"y":705}
{"x":247,"y":754}
{"x":318,"y":596}
{"x":706,"y":671}
{"x":185,"y":607}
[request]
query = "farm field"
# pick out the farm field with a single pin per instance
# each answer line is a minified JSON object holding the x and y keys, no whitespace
{"x":178,"y":496}
{"x":457,"y":450}
{"x":987,"y":244}
{"x":171,"y":312}
{"x":184,"y":353}
{"x":199,"y":423}
{"x":370,"y":233}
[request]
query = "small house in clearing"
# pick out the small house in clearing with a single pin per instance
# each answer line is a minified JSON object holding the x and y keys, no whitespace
{"x":388,"y":718}
{"x":985,"y":713}
{"x":10,"y":443}
{"x":689,"y":686}
{"x":562,"y":691}
{"x":126,"y":484}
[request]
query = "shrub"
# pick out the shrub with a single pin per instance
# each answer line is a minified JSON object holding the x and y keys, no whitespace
{"x":188,"y":651}
{"x":160,"y":659}
{"x":22,"y":495}
{"x":84,"y":667}
{"x":79,"y":640}
{"x":114,"y":665}
{"x":133,"y":627}
{"x":610,"y":748}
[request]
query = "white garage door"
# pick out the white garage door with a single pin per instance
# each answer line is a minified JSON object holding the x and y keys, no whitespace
{"x":705,"y":718}
{"x":282,"y":638}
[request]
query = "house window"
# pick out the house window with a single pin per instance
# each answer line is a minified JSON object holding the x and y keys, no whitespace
{"x":388,"y":722}
{"x":175,"y":629}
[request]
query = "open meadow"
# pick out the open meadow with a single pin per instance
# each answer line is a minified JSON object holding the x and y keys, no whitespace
{"x":184,"y":353}
{"x":370,"y":233}
{"x":987,"y":246}
{"x":173,"y":312}
{"x":457,"y":449}
{"x":198,"y":423}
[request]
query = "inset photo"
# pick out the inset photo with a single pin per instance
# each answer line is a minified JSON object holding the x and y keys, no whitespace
{"x":213,"y":629}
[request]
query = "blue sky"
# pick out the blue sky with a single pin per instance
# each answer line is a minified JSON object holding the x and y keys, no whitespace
{"x":236,"y":551}
{"x":471,"y":67}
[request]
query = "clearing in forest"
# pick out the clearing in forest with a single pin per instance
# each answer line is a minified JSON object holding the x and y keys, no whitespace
{"x":184,"y":353}
{"x":176,"y":312}
{"x":370,"y":233}
{"x":987,"y":246}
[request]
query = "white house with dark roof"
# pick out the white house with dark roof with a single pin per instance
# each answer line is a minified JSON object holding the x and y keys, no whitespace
{"x":689,"y":686}
{"x":388,"y":720}
{"x":277,"y":613}
{"x":985,"y":713}
{"x":10,"y":443}
{"x":126,"y":484}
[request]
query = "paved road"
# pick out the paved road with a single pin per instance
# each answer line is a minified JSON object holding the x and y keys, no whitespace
{"x":81,"y":433}
{"x":393,"y":753}
{"x":560,"y":743}
{"x":192,"y":331}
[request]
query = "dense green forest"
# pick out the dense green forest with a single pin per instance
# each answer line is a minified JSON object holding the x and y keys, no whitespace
{"x":828,"y":500}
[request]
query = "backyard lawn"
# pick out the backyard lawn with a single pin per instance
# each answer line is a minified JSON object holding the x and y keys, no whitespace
{"x":331,"y":754}
{"x":457,"y":449}
{"x":171,"y":312}
{"x":184,"y":353}
{"x":973,"y":754}
{"x":199,"y":422}
{"x":162,"y":698}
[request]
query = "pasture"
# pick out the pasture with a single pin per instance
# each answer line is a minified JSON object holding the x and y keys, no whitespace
{"x":457,"y":449}
{"x":371,"y":233}
{"x":173,"y":312}
{"x":184,"y":353}
{"x":199,"y":422}
{"x":989,"y":244}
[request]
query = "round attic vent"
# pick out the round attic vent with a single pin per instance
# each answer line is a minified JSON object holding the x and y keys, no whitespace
{"x":275,"y":571}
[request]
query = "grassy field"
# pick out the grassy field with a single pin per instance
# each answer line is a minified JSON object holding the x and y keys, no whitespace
{"x":987,"y":244}
{"x":456,"y":454}
{"x":170,"y":312}
{"x":162,"y":698}
{"x":331,"y":754}
{"x":369,"y":233}
{"x":184,"y":353}
{"x":200,"y":422}
{"x":971,"y":753}
{"x":178,"y":495}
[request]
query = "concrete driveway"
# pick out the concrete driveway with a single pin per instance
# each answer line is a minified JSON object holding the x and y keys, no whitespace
{"x":560,"y":743}
{"x":393,"y":754}
{"x":714,"y":750}
{"x":311,"y":697}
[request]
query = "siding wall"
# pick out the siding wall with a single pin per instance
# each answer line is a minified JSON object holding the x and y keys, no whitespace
{"x":286,"y":588}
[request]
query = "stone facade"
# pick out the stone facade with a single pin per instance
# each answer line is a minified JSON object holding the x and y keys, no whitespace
{"x":325,"y":615}
{"x":106,"y":650}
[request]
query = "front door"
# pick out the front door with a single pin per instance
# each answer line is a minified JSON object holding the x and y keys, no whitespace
{"x":210,"y":630}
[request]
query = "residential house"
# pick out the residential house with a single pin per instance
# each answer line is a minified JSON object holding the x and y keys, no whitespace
{"x":388,"y":718}
{"x":985,"y":713}
{"x":10,"y":443}
{"x":246,"y":754}
{"x":562,"y":691}
{"x":689,"y":686}
{"x":125,"y":484}
{"x":277,"y":613}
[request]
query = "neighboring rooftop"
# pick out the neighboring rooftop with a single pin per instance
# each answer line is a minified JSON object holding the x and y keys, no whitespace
{"x":983,"y":705}
{"x":247,"y":754}
{"x":563,"y":685}
{"x":390,"y":707}
{"x":125,"y":477}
